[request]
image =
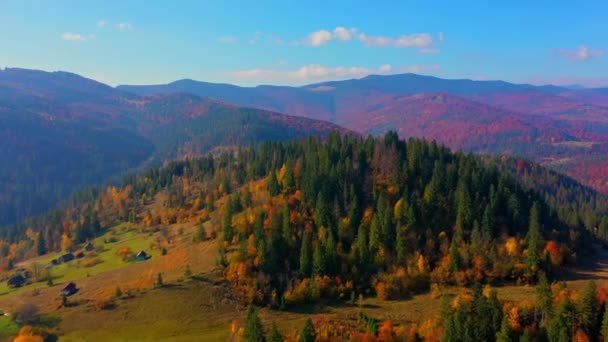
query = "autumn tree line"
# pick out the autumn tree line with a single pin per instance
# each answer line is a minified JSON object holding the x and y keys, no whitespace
{"x":304,"y":220}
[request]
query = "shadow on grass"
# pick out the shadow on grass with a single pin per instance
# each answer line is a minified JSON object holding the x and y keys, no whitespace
{"x":49,"y":321}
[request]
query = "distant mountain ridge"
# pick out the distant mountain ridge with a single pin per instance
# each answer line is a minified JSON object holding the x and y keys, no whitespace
{"x":61,"y":131}
{"x":562,"y":127}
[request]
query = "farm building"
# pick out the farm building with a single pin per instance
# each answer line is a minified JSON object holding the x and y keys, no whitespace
{"x":69,"y":289}
{"x":142,"y":256}
{"x":17,"y":280}
{"x":88,"y":247}
{"x":66,"y":257}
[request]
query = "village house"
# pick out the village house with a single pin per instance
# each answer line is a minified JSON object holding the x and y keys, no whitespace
{"x":69,"y":289}
{"x":66,"y":258}
{"x":17,"y":280}
{"x":142,"y":256}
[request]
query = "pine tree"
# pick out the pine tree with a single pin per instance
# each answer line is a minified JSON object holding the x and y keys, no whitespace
{"x":273,"y":184}
{"x":254,"y":331}
{"x":308,"y":333}
{"x":455,"y":262}
{"x":274,"y":335}
{"x":41,"y":244}
{"x":533,"y":241}
{"x":560,"y":326}
{"x":588,"y":311}
{"x":318,"y":260}
{"x":605,"y":324}
{"x":544,"y":297}
{"x":505,"y":334}
{"x":306,"y":255}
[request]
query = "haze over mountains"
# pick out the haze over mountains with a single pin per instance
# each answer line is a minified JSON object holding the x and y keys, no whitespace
{"x":564,"y":128}
{"x":61,"y":131}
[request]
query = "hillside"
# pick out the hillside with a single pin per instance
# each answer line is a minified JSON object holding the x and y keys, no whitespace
{"x":62,"y":132}
{"x":565,"y":129}
{"x":299,"y":224}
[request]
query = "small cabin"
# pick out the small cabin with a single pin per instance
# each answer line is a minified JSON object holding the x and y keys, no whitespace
{"x":17,"y":280}
{"x":142,"y":256}
{"x":88,"y":247}
{"x":69,"y":289}
{"x":66,"y":257}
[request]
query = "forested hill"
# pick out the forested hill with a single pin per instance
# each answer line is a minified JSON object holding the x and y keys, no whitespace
{"x":297,"y":221}
{"x":61,"y":131}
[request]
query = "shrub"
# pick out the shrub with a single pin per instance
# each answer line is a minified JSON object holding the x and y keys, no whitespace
{"x":27,"y":314}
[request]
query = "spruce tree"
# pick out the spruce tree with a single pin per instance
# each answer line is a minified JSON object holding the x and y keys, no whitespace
{"x":533,"y":241}
{"x":254,"y":331}
{"x":588,"y":311}
{"x":273,"y":184}
{"x":604,"y":331}
{"x":274,"y":335}
{"x":505,"y":334}
{"x":561,"y":323}
{"x":308,"y":333}
{"x":318,"y":260}
{"x":544,"y":297}
{"x":306,"y":255}
{"x":41,"y":244}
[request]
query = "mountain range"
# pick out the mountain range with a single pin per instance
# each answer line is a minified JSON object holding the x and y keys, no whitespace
{"x":62,"y":131}
{"x":561,"y":127}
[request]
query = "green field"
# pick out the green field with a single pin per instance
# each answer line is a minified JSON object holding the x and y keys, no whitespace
{"x":125,"y":235}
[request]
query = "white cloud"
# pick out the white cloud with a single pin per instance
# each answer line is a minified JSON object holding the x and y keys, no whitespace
{"x":583,"y":53}
{"x":124,"y":26}
{"x":102,"y":23}
{"x":404,"y":41}
{"x":227,"y":40}
{"x":319,"y":38}
{"x":316,"y":73}
{"x":429,"y":51}
{"x":73,"y":37}
{"x":342,"y":34}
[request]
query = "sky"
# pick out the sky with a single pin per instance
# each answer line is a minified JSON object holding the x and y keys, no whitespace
{"x":300,"y":42}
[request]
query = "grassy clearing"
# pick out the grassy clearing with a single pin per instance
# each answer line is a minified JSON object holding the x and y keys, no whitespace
{"x":8,"y":328}
{"x":125,"y":235}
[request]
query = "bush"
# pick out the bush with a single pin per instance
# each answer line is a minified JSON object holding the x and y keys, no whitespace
{"x":27,"y":314}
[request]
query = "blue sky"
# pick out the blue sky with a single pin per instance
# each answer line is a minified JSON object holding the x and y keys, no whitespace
{"x":299,"y":42}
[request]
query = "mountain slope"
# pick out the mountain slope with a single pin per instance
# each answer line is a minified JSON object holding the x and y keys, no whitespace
{"x":563,"y":128}
{"x":61,"y":131}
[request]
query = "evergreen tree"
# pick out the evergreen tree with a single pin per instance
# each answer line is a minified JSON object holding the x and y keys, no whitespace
{"x":318,"y":260}
{"x":561,"y":323}
{"x":308,"y":333}
{"x":455,"y":262}
{"x":274,"y":335}
{"x":254,"y":331}
{"x":306,"y":255}
{"x":588,"y":310}
{"x":544,"y":297}
{"x":505,"y":334}
{"x":604,"y":331}
{"x":533,"y":241}
{"x":41,"y":244}
{"x":273,"y":184}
